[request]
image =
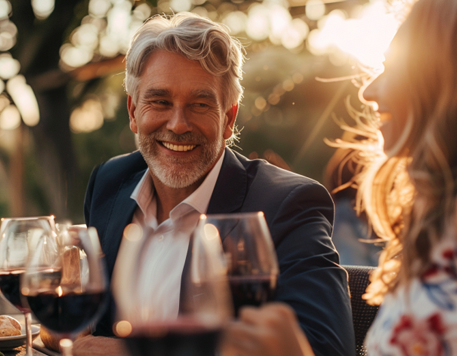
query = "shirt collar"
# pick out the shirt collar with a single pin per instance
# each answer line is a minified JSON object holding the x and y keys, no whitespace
{"x":199,"y":199}
{"x":143,"y":193}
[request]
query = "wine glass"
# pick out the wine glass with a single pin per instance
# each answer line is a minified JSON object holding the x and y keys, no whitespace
{"x":65,"y":283}
{"x":19,"y":237}
{"x":251,"y":258}
{"x":204,"y":300}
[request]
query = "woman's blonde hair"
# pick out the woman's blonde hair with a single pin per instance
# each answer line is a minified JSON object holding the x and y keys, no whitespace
{"x":409,"y":192}
{"x":195,"y":37}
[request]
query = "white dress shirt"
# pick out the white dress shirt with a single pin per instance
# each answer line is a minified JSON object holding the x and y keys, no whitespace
{"x":157,"y":285}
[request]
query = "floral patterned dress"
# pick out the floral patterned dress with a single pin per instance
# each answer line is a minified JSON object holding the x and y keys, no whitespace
{"x":420,"y":320}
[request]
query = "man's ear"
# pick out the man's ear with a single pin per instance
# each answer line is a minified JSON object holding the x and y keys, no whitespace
{"x":131,"y":108}
{"x":231,"y":117}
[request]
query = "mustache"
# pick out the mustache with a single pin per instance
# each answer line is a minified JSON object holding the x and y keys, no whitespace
{"x":185,"y":137}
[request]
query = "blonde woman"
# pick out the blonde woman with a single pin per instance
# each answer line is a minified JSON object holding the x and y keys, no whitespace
{"x":407,"y":186}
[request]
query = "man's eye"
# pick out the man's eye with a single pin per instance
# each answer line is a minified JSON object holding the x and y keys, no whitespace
{"x":200,"y":107}
{"x":160,"y":103}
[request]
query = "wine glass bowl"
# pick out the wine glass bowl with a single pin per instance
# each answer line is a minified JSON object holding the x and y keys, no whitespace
{"x":19,"y":237}
{"x":204,"y":302}
{"x":65,"y":285}
{"x":251,"y":259}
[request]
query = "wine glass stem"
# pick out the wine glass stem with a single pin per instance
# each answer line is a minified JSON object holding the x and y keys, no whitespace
{"x":28,"y":333}
{"x":66,"y":347}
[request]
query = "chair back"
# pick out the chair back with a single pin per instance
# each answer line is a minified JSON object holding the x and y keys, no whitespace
{"x":363,"y":314}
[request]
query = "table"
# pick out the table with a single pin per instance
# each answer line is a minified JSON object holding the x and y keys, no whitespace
{"x":20,"y":351}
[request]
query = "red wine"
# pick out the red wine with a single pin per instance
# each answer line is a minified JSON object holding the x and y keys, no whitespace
{"x":10,"y":287}
{"x":188,"y":338}
{"x":68,"y":313}
{"x":251,"y":290}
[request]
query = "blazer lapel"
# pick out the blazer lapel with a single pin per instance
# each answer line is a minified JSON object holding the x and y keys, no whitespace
{"x":121,"y":216}
{"x":228,"y":196}
{"x":231,"y":186}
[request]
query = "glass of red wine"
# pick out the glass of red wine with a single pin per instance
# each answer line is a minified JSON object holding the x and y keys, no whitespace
{"x":65,"y":284}
{"x":147,"y":323}
{"x":19,"y":237}
{"x":251,"y":258}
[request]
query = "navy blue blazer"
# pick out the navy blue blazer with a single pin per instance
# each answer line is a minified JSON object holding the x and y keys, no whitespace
{"x":299,"y":213}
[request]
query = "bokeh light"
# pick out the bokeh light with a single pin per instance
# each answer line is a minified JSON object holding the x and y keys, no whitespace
{"x":295,"y":33}
{"x":288,"y":85}
{"x":108,"y":46}
{"x":200,"y":10}
{"x":5,"y":9}
{"x":88,"y":117}
{"x":85,"y":35}
{"x":75,"y":56}
{"x":315,"y":9}
{"x":8,"y":33}
{"x":10,"y":118}
{"x":180,"y":5}
{"x":315,"y":44}
{"x":119,"y":19}
{"x":107,"y":30}
{"x":142,"y":12}
{"x":260,"y":103}
{"x":99,"y":8}
{"x":280,"y":19}
{"x":236,"y":21}
{"x":368,"y":38}
{"x":110,"y":103}
{"x":25,"y":100}
{"x":43,"y":8}
{"x":258,"y":25}
{"x":9,"y":66}
{"x":4,"y":102}
{"x":365,"y":39}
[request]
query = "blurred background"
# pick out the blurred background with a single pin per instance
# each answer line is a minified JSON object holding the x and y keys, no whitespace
{"x":63,"y":108}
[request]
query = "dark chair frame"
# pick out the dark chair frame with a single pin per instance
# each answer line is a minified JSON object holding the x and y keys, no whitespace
{"x":363,"y":314}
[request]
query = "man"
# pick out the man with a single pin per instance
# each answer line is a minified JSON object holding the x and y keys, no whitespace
{"x":183,"y":84}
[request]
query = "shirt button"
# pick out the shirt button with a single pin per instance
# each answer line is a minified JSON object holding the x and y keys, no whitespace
{"x":161,"y":238}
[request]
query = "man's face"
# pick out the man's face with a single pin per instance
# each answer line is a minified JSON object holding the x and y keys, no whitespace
{"x":180,"y":120}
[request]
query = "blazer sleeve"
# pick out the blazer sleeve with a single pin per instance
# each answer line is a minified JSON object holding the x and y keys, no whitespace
{"x":103,"y":327}
{"x":88,"y":196}
{"x":311,"y":280}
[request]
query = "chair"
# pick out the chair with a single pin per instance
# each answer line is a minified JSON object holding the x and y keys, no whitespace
{"x":362,"y":313}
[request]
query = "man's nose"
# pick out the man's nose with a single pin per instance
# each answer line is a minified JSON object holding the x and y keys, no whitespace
{"x":178,"y":122}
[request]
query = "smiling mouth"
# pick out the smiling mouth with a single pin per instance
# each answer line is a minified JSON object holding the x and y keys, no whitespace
{"x":178,"y":148}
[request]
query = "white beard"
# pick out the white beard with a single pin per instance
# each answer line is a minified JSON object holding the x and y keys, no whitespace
{"x":179,"y":172}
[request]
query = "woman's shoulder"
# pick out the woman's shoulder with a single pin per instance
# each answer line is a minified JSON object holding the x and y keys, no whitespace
{"x":421,"y":318}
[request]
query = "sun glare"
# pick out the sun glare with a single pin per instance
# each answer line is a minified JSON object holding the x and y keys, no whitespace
{"x":365,"y":38}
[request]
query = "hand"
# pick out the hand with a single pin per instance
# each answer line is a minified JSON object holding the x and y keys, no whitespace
{"x":271,"y":330}
{"x":51,"y":340}
{"x":99,"y":346}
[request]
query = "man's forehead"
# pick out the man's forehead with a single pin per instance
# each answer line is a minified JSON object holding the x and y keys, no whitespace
{"x":167,"y":73}
{"x":161,"y":60}
{"x":203,"y":93}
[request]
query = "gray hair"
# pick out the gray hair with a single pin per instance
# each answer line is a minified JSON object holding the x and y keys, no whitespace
{"x":196,"y":38}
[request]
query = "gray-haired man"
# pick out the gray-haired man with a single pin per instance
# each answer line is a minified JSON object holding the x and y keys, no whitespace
{"x":183,"y":84}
